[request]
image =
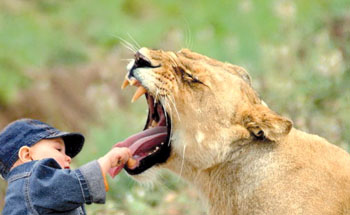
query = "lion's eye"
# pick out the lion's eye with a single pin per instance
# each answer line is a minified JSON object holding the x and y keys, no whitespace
{"x":186,"y":76}
{"x":191,"y":78}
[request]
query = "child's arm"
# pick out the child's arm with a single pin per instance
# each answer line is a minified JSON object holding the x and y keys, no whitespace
{"x":54,"y":189}
{"x":115,"y":158}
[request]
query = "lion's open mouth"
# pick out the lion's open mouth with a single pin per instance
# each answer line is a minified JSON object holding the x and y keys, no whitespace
{"x":152,"y":145}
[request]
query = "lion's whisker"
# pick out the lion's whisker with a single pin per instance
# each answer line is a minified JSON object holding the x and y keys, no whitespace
{"x":127,"y":44}
{"x":127,"y":59}
{"x":135,"y":42}
{"x":167,"y":108}
{"x":128,"y":47}
{"x":188,"y":39}
{"x":183,"y":161}
{"x":172,"y":100}
{"x":167,"y":105}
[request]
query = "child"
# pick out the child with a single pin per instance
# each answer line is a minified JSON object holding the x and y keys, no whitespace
{"x":35,"y":160}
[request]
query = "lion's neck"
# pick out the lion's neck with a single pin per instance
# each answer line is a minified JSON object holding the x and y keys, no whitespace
{"x":219,"y":185}
{"x":215,"y":185}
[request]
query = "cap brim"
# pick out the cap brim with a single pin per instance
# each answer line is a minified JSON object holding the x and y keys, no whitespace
{"x":73,"y":142}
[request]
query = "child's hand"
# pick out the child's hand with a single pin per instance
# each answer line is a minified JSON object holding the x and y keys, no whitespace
{"x":115,"y":157}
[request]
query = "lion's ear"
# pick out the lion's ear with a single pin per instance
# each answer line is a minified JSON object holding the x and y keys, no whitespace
{"x":263,"y":123}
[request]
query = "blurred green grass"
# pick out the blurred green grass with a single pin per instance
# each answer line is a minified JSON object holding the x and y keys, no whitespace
{"x":297,"y":53}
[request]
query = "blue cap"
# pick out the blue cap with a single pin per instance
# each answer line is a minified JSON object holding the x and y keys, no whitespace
{"x":27,"y":132}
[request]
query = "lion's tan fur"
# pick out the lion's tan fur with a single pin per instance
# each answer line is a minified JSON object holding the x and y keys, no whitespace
{"x":242,"y":157}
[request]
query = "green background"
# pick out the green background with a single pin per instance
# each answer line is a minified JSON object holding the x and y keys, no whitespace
{"x":63,"y":62}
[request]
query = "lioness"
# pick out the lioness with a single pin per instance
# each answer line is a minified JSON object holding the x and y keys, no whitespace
{"x":208,"y":125}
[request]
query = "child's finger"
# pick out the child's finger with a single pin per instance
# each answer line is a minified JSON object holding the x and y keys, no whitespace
{"x":125,"y":158}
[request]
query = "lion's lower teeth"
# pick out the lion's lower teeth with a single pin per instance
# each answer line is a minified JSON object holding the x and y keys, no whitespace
{"x":155,"y":150}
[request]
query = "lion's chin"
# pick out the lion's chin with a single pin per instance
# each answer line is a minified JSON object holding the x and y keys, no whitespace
{"x":147,"y":177}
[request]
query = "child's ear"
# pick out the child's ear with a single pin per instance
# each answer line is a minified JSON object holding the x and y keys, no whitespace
{"x":24,"y":154}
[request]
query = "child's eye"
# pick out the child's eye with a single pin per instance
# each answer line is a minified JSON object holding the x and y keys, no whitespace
{"x":58,"y":149}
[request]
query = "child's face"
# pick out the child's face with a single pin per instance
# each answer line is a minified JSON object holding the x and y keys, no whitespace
{"x":51,"y":148}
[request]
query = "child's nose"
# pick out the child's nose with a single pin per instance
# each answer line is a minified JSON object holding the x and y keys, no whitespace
{"x":68,"y":159}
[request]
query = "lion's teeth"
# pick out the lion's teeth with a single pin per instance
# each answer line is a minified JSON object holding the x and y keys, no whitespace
{"x":162,"y":143}
{"x":133,"y":82}
{"x":125,"y":84}
{"x":154,"y":151}
{"x":139,"y":92}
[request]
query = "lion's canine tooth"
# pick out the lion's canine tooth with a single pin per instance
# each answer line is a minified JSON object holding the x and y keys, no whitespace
{"x":125,"y":84}
{"x":139,"y":92}
{"x":133,"y":82}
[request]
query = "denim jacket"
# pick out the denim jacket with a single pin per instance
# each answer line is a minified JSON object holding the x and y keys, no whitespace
{"x":42,"y":187}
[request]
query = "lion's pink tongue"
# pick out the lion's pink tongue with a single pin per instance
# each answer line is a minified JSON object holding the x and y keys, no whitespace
{"x":141,"y":141}
{"x":130,"y":140}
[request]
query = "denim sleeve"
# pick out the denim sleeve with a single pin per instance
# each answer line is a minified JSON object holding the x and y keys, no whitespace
{"x":51,"y":188}
{"x":95,"y":182}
